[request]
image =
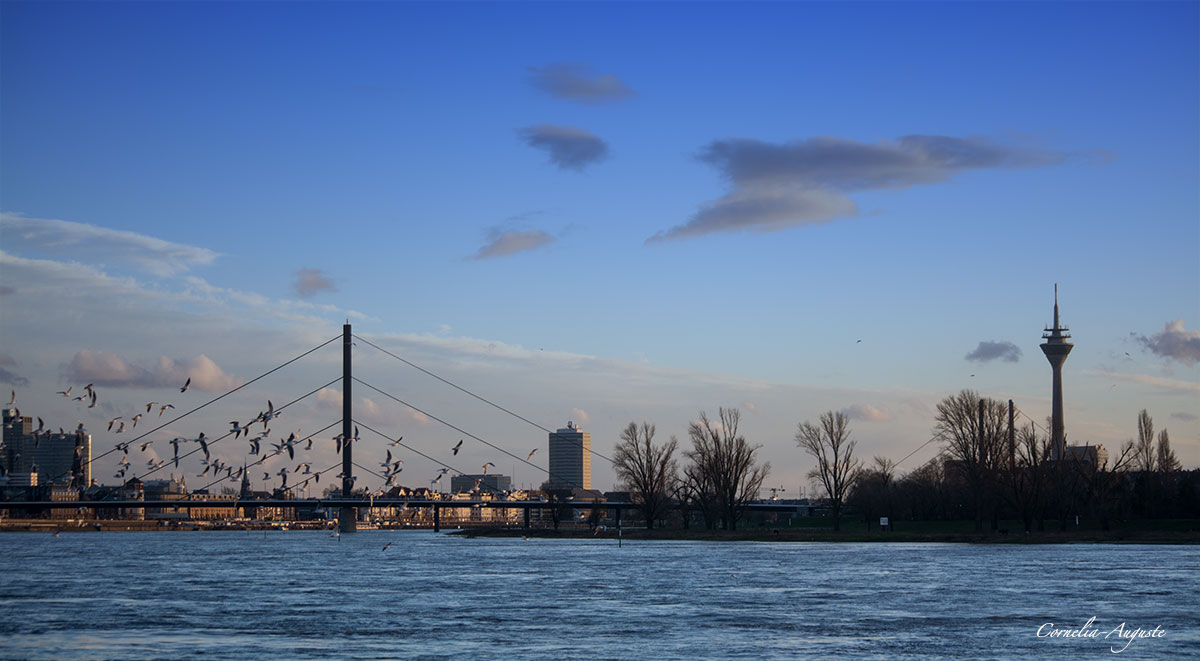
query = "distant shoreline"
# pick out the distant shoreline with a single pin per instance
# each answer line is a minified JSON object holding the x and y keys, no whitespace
{"x":755,"y":534}
{"x":809,"y":535}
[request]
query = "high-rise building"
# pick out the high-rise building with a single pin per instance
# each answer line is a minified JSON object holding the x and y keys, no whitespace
{"x":1056,"y":349}
{"x":570,"y":458}
{"x":59,"y":458}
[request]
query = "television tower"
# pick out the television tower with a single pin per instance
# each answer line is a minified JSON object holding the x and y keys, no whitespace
{"x":1056,"y":347}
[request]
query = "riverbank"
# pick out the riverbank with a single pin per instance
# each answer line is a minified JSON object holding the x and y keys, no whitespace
{"x":810,"y":535}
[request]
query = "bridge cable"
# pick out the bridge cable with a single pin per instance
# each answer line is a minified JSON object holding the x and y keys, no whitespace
{"x":264,"y":457}
{"x":211,"y":401}
{"x":226,"y":435}
{"x":452,"y":468}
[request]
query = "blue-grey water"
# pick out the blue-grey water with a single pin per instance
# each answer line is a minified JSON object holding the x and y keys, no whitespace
{"x":300,"y":594}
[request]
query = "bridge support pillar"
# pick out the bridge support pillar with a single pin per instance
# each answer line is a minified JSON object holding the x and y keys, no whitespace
{"x":526,"y":518}
{"x":437,"y":518}
{"x":347,"y":519}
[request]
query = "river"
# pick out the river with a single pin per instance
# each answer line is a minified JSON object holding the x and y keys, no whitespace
{"x":304,"y":594}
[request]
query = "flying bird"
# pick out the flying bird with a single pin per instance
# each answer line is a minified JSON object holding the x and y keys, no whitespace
{"x":65,"y":393}
{"x":113,"y":422}
{"x":456,"y":447}
{"x":146,"y":445}
{"x":13,"y":400}
{"x":186,"y":384}
{"x":531,"y":453}
{"x":150,"y":405}
{"x":387,"y":546}
{"x":397,"y":441}
{"x":135,"y":420}
{"x":485,"y":467}
{"x":162,"y":409}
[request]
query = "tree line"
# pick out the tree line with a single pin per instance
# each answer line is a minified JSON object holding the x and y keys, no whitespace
{"x":988,"y":469}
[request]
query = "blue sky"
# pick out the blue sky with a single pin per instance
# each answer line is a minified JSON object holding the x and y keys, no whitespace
{"x":915,"y":175}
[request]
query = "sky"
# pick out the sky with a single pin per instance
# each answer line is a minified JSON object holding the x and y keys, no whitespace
{"x":599,"y":212}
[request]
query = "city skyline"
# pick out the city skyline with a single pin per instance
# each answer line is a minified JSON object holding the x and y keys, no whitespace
{"x":604,"y":214}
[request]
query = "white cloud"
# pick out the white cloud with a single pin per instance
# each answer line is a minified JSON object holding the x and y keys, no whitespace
{"x":1175,"y":342}
{"x":868,"y":413}
{"x":106,"y":369}
{"x":101,"y":244}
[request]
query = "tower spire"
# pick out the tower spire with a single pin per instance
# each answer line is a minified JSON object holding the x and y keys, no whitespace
{"x":1056,"y":305}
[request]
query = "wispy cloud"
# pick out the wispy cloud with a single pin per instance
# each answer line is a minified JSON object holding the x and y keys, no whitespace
{"x":579,"y":83}
{"x":310,"y":282}
{"x":509,"y":242}
{"x":1174,"y":342}
{"x":1158,"y":382}
{"x":91,"y":243}
{"x":107,"y":369}
{"x":990,"y":350}
{"x":777,"y":186}
{"x":1186,"y":417}
{"x":569,"y":148}
{"x":868,"y":413}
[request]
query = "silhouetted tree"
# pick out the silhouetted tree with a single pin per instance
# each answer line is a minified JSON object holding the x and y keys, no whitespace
{"x":723,"y":466}
{"x":837,"y":469}
{"x":648,"y":471}
{"x":872,"y":492}
{"x":974,"y":431}
{"x":1144,"y":450}
{"x":1165,"y":457}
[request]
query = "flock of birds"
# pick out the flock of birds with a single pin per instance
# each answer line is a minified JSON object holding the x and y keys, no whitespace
{"x":260,"y":446}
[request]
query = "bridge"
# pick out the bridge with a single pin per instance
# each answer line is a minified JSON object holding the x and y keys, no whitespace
{"x":348,"y":441}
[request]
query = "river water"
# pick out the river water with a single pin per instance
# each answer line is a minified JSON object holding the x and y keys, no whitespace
{"x":303,"y":594}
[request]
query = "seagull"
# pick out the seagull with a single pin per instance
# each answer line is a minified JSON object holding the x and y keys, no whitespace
{"x":397,"y":441}
{"x":456,"y":447}
{"x":162,"y":409}
{"x":113,"y":422}
{"x":175,"y":442}
{"x":485,"y":467}
{"x":150,"y":405}
{"x":146,"y":445}
{"x":186,"y":384}
{"x":387,"y":546}
{"x":135,"y":420}
{"x":531,"y":452}
{"x":65,"y":393}
{"x":858,"y":342}
{"x":13,"y":400}
{"x":92,"y":394}
{"x":203,"y":444}
{"x":121,"y":428}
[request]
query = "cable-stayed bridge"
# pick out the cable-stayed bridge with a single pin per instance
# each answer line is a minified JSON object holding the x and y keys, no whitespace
{"x":348,"y":440}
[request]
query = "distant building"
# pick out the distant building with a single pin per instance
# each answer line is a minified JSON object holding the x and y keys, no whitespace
{"x":58,"y":458}
{"x":492,"y":483}
{"x":1094,"y":457}
{"x":570,"y":458}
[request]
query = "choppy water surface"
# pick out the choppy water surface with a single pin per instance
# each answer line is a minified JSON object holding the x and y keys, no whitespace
{"x":305,"y":595}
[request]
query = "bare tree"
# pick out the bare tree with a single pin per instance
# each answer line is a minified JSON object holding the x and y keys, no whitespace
{"x":1166,"y":459}
{"x":648,"y":471}
{"x":837,"y":470}
{"x":723,"y":465}
{"x":1144,"y":450}
{"x":975,"y":432}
